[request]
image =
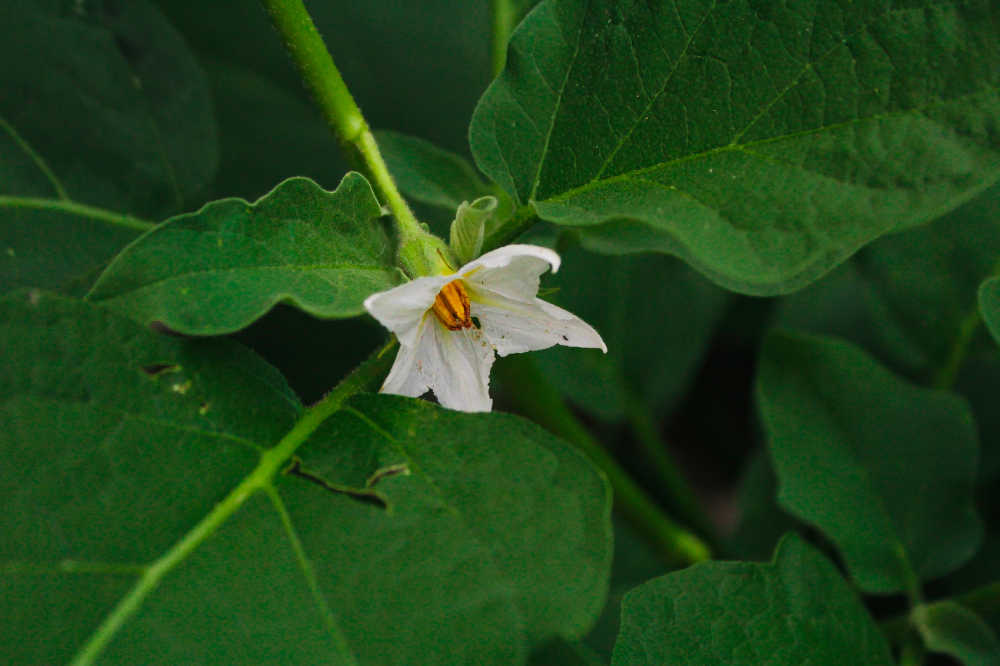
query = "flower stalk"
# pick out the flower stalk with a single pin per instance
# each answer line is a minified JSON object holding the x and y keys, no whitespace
{"x":537,"y":399}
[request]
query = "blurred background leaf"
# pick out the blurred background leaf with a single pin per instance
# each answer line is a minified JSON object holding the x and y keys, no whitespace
{"x":101,"y":103}
{"x":884,"y":468}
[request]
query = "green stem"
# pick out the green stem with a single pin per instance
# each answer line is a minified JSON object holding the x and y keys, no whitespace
{"x":503,"y":24}
{"x":271,"y":462}
{"x":323,"y":79}
{"x":537,"y":399}
{"x":647,"y":435}
{"x":73,"y":208}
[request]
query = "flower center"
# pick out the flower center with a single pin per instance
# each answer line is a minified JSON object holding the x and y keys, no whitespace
{"x":452,"y":306}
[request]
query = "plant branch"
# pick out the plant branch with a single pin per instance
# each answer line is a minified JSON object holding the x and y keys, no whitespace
{"x":322,"y":78}
{"x":261,"y":478}
{"x":535,"y":397}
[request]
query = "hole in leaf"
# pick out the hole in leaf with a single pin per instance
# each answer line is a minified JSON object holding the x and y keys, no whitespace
{"x":157,"y":369}
{"x":391,"y":470}
{"x":363,"y":495}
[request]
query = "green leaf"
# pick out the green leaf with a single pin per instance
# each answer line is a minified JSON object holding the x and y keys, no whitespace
{"x":217,"y":270}
{"x":953,"y":629}
{"x":795,"y":610}
{"x":884,"y":468}
{"x":989,"y":305}
{"x":762,"y":144}
{"x":400,"y":534}
{"x":108,"y":102}
{"x":657,"y":318}
{"x":117,"y":441}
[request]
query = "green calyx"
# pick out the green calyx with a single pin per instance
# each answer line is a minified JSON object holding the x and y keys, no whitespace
{"x":421,"y":253}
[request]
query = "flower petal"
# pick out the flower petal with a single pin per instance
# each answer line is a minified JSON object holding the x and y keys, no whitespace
{"x":401,"y":309}
{"x":512,"y":270}
{"x":454,"y":364}
{"x":459,"y":373}
{"x":404,"y":379}
{"x":514,"y":326}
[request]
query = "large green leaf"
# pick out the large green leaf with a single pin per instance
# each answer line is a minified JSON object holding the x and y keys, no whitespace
{"x":217,"y":270}
{"x":404,"y":533}
{"x":108,"y":98}
{"x":884,"y":468}
{"x":656,"y":316}
{"x":989,"y":305}
{"x":795,"y":610}
{"x":762,"y":143}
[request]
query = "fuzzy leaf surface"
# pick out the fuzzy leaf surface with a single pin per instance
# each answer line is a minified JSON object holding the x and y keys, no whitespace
{"x":761,"y":143}
{"x":794,"y":610}
{"x":219,"y":269}
{"x":399,"y":531}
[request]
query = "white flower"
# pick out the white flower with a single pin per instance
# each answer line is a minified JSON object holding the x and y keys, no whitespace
{"x":449,"y":326}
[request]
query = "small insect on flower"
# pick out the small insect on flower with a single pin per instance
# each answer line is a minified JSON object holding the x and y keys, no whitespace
{"x":450,"y":327}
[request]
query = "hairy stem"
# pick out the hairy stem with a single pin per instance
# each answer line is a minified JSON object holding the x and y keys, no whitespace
{"x":322,"y":78}
{"x":535,"y":397}
{"x":271,"y":462}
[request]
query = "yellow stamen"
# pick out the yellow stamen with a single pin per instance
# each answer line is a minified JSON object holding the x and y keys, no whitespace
{"x":452,"y":306}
